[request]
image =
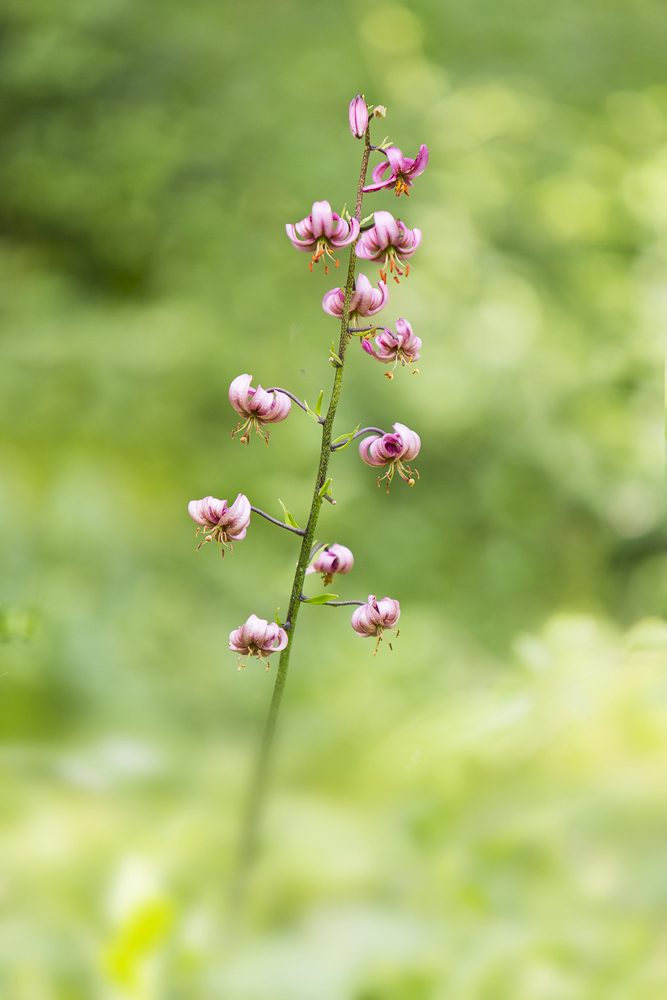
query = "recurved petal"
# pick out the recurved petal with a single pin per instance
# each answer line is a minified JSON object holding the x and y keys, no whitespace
{"x":396,"y":160}
{"x":419,"y":166}
{"x":304,"y":244}
{"x":334,"y":301}
{"x":253,"y":631}
{"x":345,"y":240}
{"x":389,"y":611}
{"x":411,"y":442}
{"x":386,"y":229}
{"x":237,"y":517}
{"x":280,"y":408}
{"x":322,"y":219}
{"x":238,"y":394}
{"x":260,"y":402}
{"x":364,"y":450}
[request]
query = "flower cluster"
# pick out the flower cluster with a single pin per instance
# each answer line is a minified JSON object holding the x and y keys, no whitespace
{"x":322,"y":234}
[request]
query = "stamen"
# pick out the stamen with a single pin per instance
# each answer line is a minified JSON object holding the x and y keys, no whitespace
{"x":389,"y":375}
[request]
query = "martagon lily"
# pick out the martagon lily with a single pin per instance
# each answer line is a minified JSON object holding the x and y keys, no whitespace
{"x":257,"y":406}
{"x":389,"y":242}
{"x":401,"y":346}
{"x":402,"y":170}
{"x":393,"y":450}
{"x":322,"y":232}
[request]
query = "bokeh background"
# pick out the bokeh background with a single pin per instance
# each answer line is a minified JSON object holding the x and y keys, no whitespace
{"x":481,"y":814}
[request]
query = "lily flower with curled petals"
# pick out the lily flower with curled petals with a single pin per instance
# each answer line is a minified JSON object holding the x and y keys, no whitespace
{"x":257,"y":406}
{"x":366,"y":300}
{"x":393,"y":450}
{"x":358,"y":117}
{"x":389,"y":241}
{"x":221,"y":523}
{"x":401,"y":346}
{"x":322,"y":232}
{"x":257,"y":638}
{"x":401,"y":170}
{"x":332,"y":559}
{"x":373,"y":618}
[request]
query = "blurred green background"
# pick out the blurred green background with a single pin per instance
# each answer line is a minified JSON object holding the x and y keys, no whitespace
{"x":481,"y":814}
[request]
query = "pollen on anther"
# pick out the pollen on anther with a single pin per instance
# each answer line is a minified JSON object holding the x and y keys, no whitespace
{"x":415,"y":371}
{"x":388,"y":375}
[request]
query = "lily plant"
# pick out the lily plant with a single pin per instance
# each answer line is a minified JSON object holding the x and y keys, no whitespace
{"x":324,"y":234}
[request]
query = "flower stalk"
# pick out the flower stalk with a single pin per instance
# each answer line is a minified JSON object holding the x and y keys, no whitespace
{"x":257,"y":793}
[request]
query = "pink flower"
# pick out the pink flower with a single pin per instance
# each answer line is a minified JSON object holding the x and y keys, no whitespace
{"x":401,"y":346}
{"x":358,"y":117}
{"x":257,"y":638}
{"x":389,"y":240}
{"x":365,"y":301}
{"x":332,"y":559}
{"x":401,"y":170}
{"x":373,"y":618}
{"x":222,"y":524}
{"x":322,"y":232}
{"x":392,"y":450}
{"x":257,"y":406}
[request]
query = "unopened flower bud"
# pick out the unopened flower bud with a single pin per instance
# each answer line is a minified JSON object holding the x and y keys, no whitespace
{"x":257,"y":637}
{"x":373,"y":618}
{"x":358,"y":117}
{"x":332,"y":559}
{"x":380,"y":111}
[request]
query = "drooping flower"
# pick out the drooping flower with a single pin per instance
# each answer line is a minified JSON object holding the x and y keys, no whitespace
{"x":332,"y":559}
{"x":366,"y":300}
{"x":257,"y":406}
{"x":401,"y":346}
{"x":322,"y":232}
{"x":389,"y":241}
{"x":373,"y":618}
{"x":402,"y":170}
{"x":221,"y":523}
{"x":358,"y":117}
{"x":257,"y":638}
{"x":393,"y":450}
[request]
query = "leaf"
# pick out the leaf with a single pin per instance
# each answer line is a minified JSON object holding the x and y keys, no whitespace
{"x":288,"y":517}
{"x":277,"y":619}
{"x":310,"y":412}
{"x":325,"y":488}
{"x":318,"y":405}
{"x":346,"y":438}
{"x":320,"y":599}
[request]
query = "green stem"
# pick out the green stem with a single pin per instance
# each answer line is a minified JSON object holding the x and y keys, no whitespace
{"x":258,"y":788}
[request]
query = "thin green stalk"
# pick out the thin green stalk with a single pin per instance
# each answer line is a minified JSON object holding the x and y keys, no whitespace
{"x":258,"y":788}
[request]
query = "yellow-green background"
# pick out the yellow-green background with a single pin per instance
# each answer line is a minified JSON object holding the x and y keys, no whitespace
{"x":481,"y":814}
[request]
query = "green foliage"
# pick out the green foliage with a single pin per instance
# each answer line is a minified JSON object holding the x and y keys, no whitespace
{"x":453,"y":820}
